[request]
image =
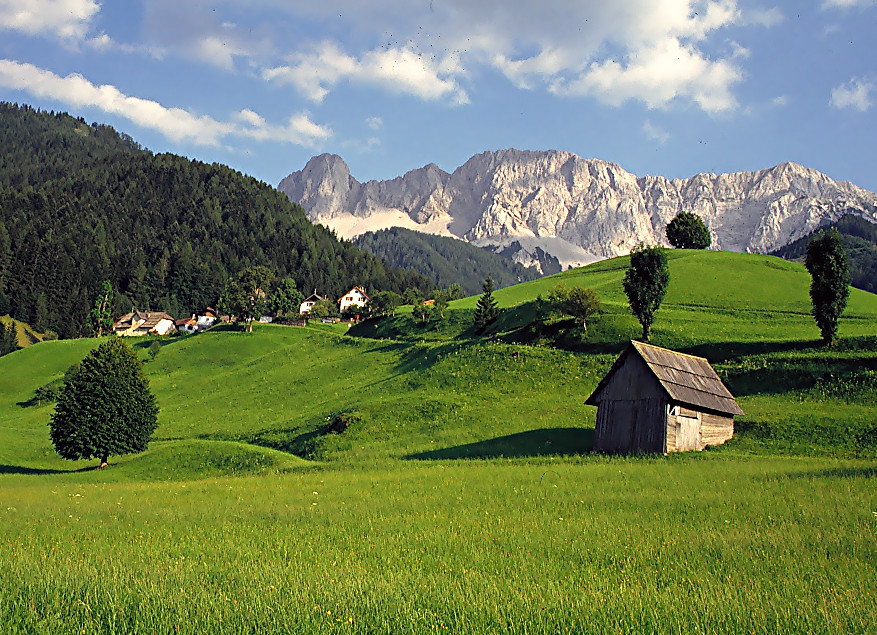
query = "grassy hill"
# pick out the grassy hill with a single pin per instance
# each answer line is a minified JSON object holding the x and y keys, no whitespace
{"x":462,"y":497}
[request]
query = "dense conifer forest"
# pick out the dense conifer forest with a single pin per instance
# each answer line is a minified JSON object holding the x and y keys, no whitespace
{"x":860,"y":241}
{"x":81,"y":203}
{"x":444,"y":260}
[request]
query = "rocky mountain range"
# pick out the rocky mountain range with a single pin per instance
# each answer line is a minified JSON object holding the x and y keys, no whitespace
{"x":577,"y":210}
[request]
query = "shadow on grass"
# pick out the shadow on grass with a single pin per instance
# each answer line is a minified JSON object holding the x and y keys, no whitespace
{"x":19,"y":469}
{"x":548,"y":442}
{"x":835,"y":472}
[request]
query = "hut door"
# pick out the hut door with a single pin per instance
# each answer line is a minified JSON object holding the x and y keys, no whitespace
{"x":688,"y":433}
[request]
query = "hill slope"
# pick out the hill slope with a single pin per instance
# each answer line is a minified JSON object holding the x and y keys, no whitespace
{"x":444,"y":260}
{"x":166,"y":231}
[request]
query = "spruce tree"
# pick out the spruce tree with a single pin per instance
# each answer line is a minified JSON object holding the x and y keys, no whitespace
{"x":827,"y":263}
{"x":106,"y":407}
{"x":486,"y":310}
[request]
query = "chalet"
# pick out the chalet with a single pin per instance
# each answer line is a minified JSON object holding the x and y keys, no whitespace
{"x":206,"y":319}
{"x":188,"y":325}
{"x":143,"y":323}
{"x":309,"y":302}
{"x":657,"y":400}
{"x":356,"y":296}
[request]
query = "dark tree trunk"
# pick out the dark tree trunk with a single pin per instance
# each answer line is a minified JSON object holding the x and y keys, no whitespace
{"x":104,"y":459}
{"x":647,"y":332}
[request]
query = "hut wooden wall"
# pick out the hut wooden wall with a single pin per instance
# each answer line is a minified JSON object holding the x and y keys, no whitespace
{"x":716,"y":428}
{"x":632,"y":411}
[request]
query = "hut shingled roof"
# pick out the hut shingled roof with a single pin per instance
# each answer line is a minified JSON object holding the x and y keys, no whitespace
{"x":686,"y":378}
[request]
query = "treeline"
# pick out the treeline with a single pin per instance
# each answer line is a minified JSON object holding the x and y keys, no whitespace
{"x":445,"y":261}
{"x":86,"y":204}
{"x":860,"y":241}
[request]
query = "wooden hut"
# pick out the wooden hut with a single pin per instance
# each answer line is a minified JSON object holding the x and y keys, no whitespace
{"x":657,"y":400}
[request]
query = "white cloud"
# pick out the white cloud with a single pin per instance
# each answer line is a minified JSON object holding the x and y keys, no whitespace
{"x":69,"y":19}
{"x":855,"y":94}
{"x":659,"y":76}
{"x":375,"y":123}
{"x":654,"y":132}
{"x":174,"y":123}
{"x":397,"y":70}
{"x":846,"y":4}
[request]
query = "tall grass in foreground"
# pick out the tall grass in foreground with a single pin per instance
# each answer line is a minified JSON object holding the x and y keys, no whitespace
{"x":686,"y":544}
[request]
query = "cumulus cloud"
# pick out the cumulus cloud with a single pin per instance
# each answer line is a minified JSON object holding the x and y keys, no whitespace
{"x":855,"y":94}
{"x":653,"y":51}
{"x":69,"y":19}
{"x":176,"y":124}
{"x":398,"y":70}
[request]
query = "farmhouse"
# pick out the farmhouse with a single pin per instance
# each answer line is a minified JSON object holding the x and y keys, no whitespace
{"x":142,"y":323}
{"x":356,"y":296}
{"x":189,"y":325}
{"x":658,"y":400}
{"x":309,"y":302}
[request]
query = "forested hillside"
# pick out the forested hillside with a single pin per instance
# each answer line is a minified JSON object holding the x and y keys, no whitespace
{"x":80,"y":204}
{"x":444,"y":260}
{"x":860,"y":240}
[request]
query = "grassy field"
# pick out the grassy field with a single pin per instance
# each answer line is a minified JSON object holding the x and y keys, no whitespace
{"x":463,"y":497}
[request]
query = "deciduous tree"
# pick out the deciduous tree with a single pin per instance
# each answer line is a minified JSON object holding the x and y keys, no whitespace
{"x":100,"y":318}
{"x":687,"y":231}
{"x":830,"y":287}
{"x":645,"y":284}
{"x":106,"y":408}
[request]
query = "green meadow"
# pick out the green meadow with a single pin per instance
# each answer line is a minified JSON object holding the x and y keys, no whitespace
{"x":463,"y":497}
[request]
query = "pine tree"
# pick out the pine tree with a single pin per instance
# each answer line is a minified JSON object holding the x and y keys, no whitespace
{"x":486,"y":310}
{"x":8,"y":339}
{"x":106,"y":407}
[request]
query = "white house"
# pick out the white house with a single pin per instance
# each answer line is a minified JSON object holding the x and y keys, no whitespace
{"x":356,"y":296}
{"x":189,"y":325}
{"x":309,"y":302}
{"x":206,"y":319}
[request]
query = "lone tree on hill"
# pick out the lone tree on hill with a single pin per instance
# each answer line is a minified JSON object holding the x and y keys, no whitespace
{"x":105,"y":407}
{"x":486,"y":310}
{"x":687,"y":231}
{"x":247,"y":297}
{"x":579,"y":303}
{"x":645,"y":284}
{"x":827,"y":263}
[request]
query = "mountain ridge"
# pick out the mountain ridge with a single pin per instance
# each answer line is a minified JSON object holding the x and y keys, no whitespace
{"x":576,"y":209}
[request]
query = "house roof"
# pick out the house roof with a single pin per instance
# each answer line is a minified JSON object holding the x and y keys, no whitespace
{"x":314,"y":298}
{"x":149,"y":319}
{"x":686,"y":379}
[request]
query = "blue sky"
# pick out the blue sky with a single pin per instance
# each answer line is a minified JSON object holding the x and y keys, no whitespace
{"x":671,"y":87}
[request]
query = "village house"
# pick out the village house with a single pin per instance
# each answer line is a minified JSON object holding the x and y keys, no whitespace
{"x":309,"y":302}
{"x":206,"y":319}
{"x":141,"y":323}
{"x":356,"y":296}
{"x":657,"y":400}
{"x":187,"y":325}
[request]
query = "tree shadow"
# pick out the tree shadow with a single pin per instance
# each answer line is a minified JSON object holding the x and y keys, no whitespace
{"x":533,"y":443}
{"x":835,"y":472}
{"x":20,"y":469}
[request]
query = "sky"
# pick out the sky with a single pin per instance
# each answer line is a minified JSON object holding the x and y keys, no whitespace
{"x":661,"y":87}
